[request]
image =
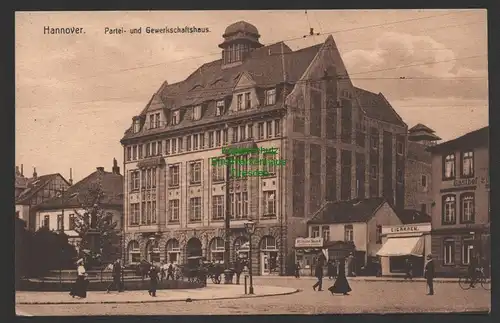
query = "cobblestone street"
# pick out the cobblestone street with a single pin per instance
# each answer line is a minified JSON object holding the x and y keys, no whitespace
{"x":366,"y":297}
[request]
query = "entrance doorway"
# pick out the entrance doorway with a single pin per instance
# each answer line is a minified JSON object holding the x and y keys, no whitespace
{"x":268,"y":255}
{"x":193,"y":248}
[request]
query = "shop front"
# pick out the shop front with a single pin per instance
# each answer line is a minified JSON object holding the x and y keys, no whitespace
{"x":402,"y":244}
{"x":308,"y":251}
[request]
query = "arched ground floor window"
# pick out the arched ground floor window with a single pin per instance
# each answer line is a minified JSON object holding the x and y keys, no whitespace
{"x":173,"y":251}
{"x":216,"y":250}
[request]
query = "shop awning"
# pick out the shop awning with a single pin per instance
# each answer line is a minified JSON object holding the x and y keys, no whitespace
{"x":408,"y":246}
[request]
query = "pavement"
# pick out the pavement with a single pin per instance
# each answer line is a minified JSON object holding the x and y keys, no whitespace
{"x":211,"y":292}
{"x":373,"y":279}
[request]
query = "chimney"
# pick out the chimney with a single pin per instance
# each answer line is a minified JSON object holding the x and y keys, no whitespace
{"x":35,"y":175}
{"x":116,"y":169}
{"x":17,"y":171}
{"x":70,"y":176}
{"x":100,"y":169}
{"x":22,"y":170}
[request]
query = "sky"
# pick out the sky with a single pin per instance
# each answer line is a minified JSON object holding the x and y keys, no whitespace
{"x":76,"y":94}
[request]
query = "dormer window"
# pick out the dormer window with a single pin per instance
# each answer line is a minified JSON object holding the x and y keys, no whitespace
{"x":197,"y":112}
{"x":248,"y":102}
{"x":175,"y":117}
{"x":219,"y":108}
{"x":239,"y":102}
{"x":137,"y":125}
{"x":154,"y":120}
{"x":271,"y":97}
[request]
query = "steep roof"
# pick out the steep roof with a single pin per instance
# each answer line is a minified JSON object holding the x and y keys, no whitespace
{"x":420,"y":127}
{"x":112,"y":186}
{"x":212,"y":82}
{"x":474,"y":139}
{"x":377,"y":107}
{"x":34,"y":185}
{"x":347,"y":211}
{"x":409,"y":216}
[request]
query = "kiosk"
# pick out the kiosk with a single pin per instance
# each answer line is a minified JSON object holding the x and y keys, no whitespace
{"x":307,"y":253}
{"x":404,"y":242}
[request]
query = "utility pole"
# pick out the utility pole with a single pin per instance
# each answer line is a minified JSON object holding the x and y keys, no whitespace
{"x":227,"y":223}
{"x":281,"y":173}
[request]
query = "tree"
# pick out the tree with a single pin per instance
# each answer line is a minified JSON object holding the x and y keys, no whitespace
{"x":95,"y":226}
{"x":22,"y":248}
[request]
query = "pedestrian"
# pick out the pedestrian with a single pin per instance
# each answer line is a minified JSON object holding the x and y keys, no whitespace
{"x":170,"y":271}
{"x":331,"y":269}
{"x":238,"y":268}
{"x":163,"y":270}
{"x":153,"y":280}
{"x":318,"y":272}
{"x":472,"y":269}
{"x":297,"y":270}
{"x":429,"y":274}
{"x":117,"y":277}
{"x":341,"y":285}
{"x":408,"y":269}
{"x":80,"y":286}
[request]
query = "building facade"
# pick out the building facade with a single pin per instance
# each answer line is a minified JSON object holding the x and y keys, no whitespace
{"x":338,"y":142}
{"x":61,"y":212}
{"x":38,"y":190}
{"x":418,"y":169}
{"x":461,"y":213}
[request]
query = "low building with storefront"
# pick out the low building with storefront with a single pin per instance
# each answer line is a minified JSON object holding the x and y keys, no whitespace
{"x":404,"y":242}
{"x":309,"y":251}
{"x":461,"y":194}
{"x":353,"y":227}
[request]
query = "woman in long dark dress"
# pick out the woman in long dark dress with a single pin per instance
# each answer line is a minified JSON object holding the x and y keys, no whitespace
{"x":341,"y":286}
{"x":153,"y":283}
{"x":80,"y":287}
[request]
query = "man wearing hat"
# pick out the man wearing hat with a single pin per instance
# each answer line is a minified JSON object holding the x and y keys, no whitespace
{"x":429,"y":274}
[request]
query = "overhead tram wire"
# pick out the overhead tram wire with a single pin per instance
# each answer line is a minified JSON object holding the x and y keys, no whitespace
{"x":271,"y":43}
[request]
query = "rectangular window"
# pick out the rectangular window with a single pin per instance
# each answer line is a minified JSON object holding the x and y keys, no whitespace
{"x":140,"y":151}
{"x":134,"y":214}
{"x":218,"y":172}
{"x":225,"y":137}
{"x":348,"y":233}
{"x":129,"y":153}
{"x":325,"y":233}
{"x":374,"y":141}
{"x":148,"y":149}
{"x":467,"y":208}
{"x":315,"y":232}
{"x":72,"y":224}
{"x":174,"y":146}
{"x":180,"y":144}
{"x":239,"y":102}
{"x":153,"y":177}
{"x":60,"y":222}
{"x":399,"y":148}
{"x":197,"y":112}
{"x":153,"y":211}
{"x":277,"y":129}
{"x":134,"y":152}
{"x":157,"y":121}
{"x":195,"y":209}
{"x":217,"y":138}
{"x":269,"y":203}
{"x":134,"y":180}
{"x":269,"y":129}
{"x":210,"y":139}
{"x":373,"y":171}
{"x":195,"y":142}
{"x":378,"y":238}
{"x":269,"y":166}
{"x":46,"y":222}
{"x":270,"y":97}
{"x":449,"y":252}
{"x":202,"y":140}
{"x":218,"y":207}
{"x":243,"y":133}
{"x":154,"y":151}
{"x":467,"y":249}
{"x":173,"y":175}
{"x":175,"y":117}
{"x":244,"y":205}
{"x":235,"y":134}
{"x":250,"y":131}
{"x":160,"y":148}
{"x":151,"y":121}
{"x":195,"y":172}
{"x":260,"y":128}
{"x":173,"y":208}
{"x":188,"y":143}
{"x":248,"y":102}
{"x":449,"y":209}
{"x":167,"y":147}
{"x":449,"y":167}
{"x":468,"y":164}
{"x":423,"y":183}
{"x":219,"y":108}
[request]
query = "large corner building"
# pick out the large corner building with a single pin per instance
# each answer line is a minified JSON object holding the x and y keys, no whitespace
{"x":339,"y":142}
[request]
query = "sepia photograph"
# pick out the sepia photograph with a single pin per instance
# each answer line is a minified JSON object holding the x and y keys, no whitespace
{"x":257,"y":162}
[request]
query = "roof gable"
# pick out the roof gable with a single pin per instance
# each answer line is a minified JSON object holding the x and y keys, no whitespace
{"x":420,"y":127}
{"x":377,"y":107}
{"x":35,"y":185}
{"x":244,"y":81}
{"x":476,"y":138}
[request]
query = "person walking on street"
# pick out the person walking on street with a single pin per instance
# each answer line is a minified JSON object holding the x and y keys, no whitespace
{"x":331,"y":269}
{"x":170,"y":271}
{"x":80,"y":287}
{"x":297,"y":270}
{"x":341,"y":285}
{"x":163,"y":270}
{"x":429,"y":274}
{"x":153,"y":280}
{"x":318,"y":272}
{"x":472,"y":269}
{"x":117,"y":277}
{"x":408,"y":269}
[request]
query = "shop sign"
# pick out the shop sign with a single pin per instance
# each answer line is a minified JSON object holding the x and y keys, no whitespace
{"x":309,"y":243}
{"x":412,"y":228}
{"x":465,"y":182}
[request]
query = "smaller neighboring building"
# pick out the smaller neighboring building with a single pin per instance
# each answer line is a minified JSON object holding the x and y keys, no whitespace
{"x":408,"y":242}
{"x":353,"y":227}
{"x":418,"y":168}
{"x":60,"y":213}
{"x":21,"y":182}
{"x":36,"y":190}
{"x":461,"y":213}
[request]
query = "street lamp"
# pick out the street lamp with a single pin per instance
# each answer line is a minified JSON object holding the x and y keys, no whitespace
{"x":151,"y":246}
{"x":250,"y":228}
